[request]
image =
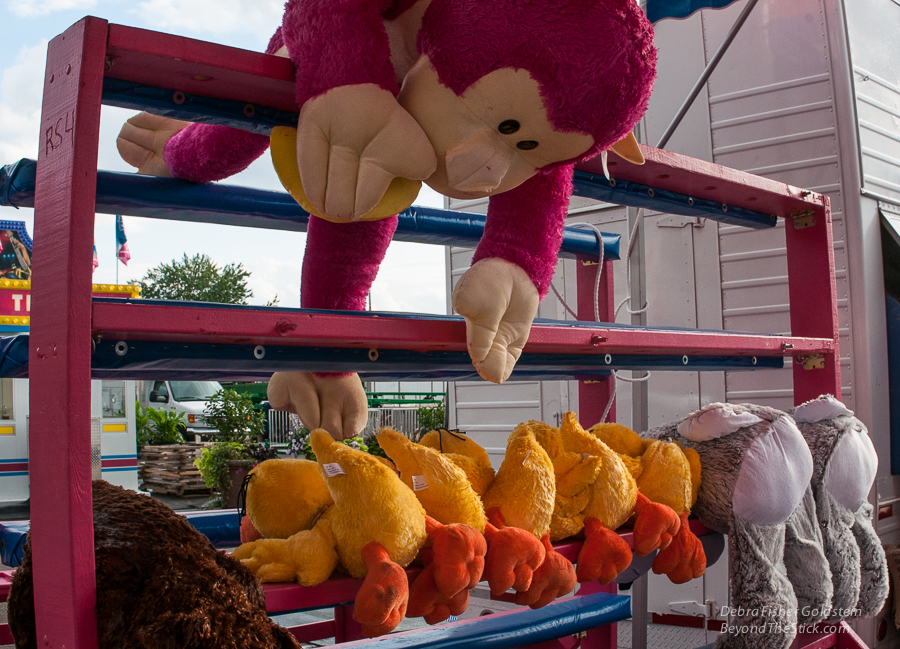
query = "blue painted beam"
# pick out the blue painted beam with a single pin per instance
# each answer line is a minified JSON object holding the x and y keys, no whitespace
{"x":172,"y":199}
{"x":517,"y":629}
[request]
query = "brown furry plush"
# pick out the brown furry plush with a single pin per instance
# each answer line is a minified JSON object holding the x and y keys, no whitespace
{"x":160,"y":584}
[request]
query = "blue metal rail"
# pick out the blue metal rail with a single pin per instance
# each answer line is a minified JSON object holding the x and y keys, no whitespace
{"x":169,"y":198}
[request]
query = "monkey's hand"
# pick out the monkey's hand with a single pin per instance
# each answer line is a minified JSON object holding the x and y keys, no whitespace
{"x":142,"y":142}
{"x":352,"y":142}
{"x":498,"y":301}
{"x":336,"y":403}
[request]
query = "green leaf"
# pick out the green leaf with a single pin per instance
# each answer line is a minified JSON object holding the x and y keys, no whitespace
{"x":197,"y":278}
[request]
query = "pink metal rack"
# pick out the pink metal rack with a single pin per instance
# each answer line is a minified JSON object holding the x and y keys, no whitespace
{"x":65,"y":321}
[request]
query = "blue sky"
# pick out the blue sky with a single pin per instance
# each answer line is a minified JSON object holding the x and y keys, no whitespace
{"x":411,"y":278}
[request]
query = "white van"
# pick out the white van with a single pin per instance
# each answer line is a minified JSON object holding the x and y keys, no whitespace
{"x":189,"y":397}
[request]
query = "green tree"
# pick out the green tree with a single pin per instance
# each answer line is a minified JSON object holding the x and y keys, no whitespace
{"x":234,"y":416}
{"x":197,"y":278}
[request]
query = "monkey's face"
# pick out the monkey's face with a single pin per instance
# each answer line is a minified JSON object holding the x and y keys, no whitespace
{"x":490,"y":139}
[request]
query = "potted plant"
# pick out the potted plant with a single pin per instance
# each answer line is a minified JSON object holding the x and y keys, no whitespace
{"x":300,"y":447}
{"x":226,"y":462}
{"x":157,"y":426}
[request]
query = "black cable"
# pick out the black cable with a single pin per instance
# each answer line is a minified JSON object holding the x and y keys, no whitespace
{"x":242,"y":497}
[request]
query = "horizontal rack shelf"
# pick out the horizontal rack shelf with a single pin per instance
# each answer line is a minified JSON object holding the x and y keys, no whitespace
{"x":158,"y":320}
{"x":146,"y":70}
{"x":206,"y":340}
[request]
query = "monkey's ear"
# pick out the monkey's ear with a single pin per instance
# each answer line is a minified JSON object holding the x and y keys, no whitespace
{"x":628,"y":149}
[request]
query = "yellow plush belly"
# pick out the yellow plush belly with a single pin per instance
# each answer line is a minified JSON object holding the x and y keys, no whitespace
{"x":283,"y":143}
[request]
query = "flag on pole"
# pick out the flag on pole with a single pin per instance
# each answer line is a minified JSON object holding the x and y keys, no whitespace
{"x":121,"y":241}
{"x":96,"y":261}
{"x":659,"y":9}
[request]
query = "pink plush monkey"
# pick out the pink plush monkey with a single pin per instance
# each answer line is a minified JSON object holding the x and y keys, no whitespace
{"x":477,"y":98}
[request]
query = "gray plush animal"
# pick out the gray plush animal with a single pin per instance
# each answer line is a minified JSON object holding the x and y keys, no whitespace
{"x":845,"y":464}
{"x":756,"y":470}
{"x":805,"y":562}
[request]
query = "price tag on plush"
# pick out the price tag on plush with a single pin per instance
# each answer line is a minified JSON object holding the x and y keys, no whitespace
{"x":333,"y":469}
{"x":419,"y":483}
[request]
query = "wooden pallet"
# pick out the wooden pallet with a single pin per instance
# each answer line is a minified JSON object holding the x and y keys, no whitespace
{"x":175,"y":490}
{"x":170,"y":469}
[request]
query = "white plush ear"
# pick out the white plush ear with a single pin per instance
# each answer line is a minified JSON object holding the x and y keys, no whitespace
{"x":774,"y":475}
{"x":714,"y":421}
{"x":820,"y":409}
{"x":851,"y":469}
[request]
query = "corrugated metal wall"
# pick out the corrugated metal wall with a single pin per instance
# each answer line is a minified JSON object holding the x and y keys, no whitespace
{"x":772,"y":113}
{"x":489,"y":412}
{"x":873,"y":27}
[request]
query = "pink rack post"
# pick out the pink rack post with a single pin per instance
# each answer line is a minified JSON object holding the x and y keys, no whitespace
{"x":59,"y":436}
{"x":65,"y":320}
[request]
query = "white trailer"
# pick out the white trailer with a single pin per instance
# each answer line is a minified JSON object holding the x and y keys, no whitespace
{"x":114,"y":448}
{"x":114,"y":439}
{"x":808,"y":93}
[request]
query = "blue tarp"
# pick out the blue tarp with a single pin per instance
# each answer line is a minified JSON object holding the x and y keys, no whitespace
{"x":169,"y":198}
{"x":12,"y":542}
{"x":893,"y":339}
{"x":659,"y":9}
{"x":220,"y":526}
{"x":518,"y":629}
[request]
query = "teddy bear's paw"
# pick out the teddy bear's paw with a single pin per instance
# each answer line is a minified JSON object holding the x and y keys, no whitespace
{"x":382,"y":599}
{"x":275,"y":573}
{"x":245,"y":551}
{"x":553,"y":578}
{"x":335,"y":402}
{"x":684,"y":559}
{"x":352,"y":141}
{"x":459,"y":552}
{"x":262,"y":559}
{"x":142,"y":142}
{"x":427,"y":601}
{"x":512,"y":557}
{"x":655,"y":526}
{"x":603,"y":555}
{"x":499,"y":302}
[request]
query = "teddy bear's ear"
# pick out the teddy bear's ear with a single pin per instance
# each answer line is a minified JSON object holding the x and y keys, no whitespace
{"x":716,"y":420}
{"x":820,"y":409}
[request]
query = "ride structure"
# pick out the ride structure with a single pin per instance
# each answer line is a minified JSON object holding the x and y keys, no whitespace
{"x":95,"y":63}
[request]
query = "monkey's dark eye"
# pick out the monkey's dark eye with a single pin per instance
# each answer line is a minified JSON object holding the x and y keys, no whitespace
{"x":508,"y":127}
{"x":527,"y":145}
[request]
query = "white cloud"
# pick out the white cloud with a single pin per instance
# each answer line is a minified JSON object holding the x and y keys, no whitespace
{"x":42,"y":7}
{"x":411,"y":280}
{"x":20,"y":104}
{"x":411,"y":277}
{"x":260,"y":18}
